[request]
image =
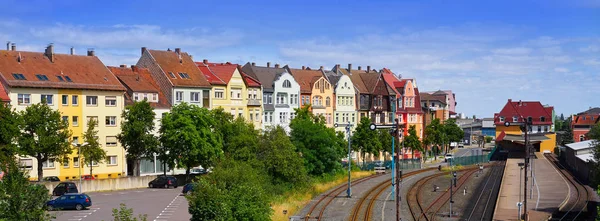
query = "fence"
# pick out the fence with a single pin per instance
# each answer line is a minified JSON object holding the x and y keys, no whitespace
{"x":404,"y":164}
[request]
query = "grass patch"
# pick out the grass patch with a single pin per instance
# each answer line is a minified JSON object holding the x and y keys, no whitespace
{"x":295,"y":200}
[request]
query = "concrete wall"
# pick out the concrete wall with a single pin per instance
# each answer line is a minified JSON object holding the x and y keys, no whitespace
{"x":108,"y":184}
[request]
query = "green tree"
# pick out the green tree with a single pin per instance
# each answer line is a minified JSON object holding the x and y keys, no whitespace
{"x":44,"y":135}
{"x":19,"y":199}
{"x":366,"y":140}
{"x":320,"y":146}
{"x":594,"y":134}
{"x":9,"y":130}
{"x":412,"y":140}
{"x":386,"y":141}
{"x":126,"y":214}
{"x":187,"y":134}
{"x":92,"y":152}
{"x":453,"y":133}
{"x":567,"y":136}
{"x":434,"y":135}
{"x":136,"y":133}
{"x":281,"y":161}
{"x":234,"y":191}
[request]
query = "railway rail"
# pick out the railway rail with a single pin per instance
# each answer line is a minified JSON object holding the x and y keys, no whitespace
{"x":483,"y":209}
{"x":574,"y":209}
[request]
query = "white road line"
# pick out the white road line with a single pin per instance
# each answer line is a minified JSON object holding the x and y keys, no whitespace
{"x":388,"y":196}
{"x":74,"y":219}
{"x":172,"y":206}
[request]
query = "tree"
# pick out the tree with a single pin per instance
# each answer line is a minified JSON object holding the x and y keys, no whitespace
{"x":21,"y":200}
{"x":366,"y":140}
{"x":234,"y":191}
{"x":453,"y":133}
{"x":412,"y":140}
{"x":126,"y":214}
{"x":434,"y":134}
{"x":187,"y":135}
{"x":136,"y":133}
{"x":92,"y":152}
{"x":281,"y":161}
{"x":44,"y":135}
{"x":594,"y":134}
{"x":9,"y":130}
{"x":320,"y":146}
{"x":567,"y":136}
{"x":386,"y":141}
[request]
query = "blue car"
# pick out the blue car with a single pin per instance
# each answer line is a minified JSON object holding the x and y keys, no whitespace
{"x":76,"y":201}
{"x":187,"y":189}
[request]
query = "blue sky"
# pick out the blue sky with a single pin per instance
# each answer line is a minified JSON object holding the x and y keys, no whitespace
{"x":486,"y":52}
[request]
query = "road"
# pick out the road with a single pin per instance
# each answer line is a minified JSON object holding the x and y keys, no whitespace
{"x":158,"y":204}
{"x":464,"y":152}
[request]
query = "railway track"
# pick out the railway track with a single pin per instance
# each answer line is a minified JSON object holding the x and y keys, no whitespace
{"x":363,"y":211}
{"x":484,"y":210}
{"x":326,"y":199}
{"x":419,"y":211}
{"x":574,"y":209}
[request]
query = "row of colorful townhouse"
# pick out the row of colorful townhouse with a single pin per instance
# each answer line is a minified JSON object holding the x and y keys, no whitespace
{"x":81,"y":87}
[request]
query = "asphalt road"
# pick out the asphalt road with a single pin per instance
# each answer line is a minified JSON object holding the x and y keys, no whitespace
{"x":463,"y":152}
{"x":158,"y":204}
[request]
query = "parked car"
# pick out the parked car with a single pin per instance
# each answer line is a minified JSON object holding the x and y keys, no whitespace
{"x":187,"y":189}
{"x":64,"y":187}
{"x":51,"y":179}
{"x":448,"y":156}
{"x":198,"y":171}
{"x":163,"y":181}
{"x":76,"y":201}
{"x":88,"y":177}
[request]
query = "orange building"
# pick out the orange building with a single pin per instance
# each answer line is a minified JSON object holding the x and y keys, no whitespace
{"x":581,"y":123}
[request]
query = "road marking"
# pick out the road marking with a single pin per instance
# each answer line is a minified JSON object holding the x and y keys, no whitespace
{"x":106,"y":194}
{"x":139,"y":191}
{"x":74,"y":219}
{"x":173,"y":205}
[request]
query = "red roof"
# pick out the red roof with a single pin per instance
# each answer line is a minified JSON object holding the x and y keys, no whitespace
{"x":523,"y":110}
{"x":222,"y":70}
{"x":250,"y":81}
{"x":139,"y":80}
{"x":171,"y":61}
{"x":212,"y":78}
{"x":390,"y":79}
{"x":38,"y":71}
{"x":3,"y":95}
{"x":400,"y":84}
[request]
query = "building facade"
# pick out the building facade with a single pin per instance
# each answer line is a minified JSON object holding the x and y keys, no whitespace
{"x":344,"y":101}
{"x":317,"y":87}
{"x":81,"y":88}
{"x":581,"y":123}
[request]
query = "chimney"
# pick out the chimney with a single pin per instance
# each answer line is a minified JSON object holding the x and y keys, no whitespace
{"x":321,"y":68}
{"x":177,"y":50}
{"x":303,"y":67}
{"x":123,"y":65}
{"x":368,"y":68}
{"x":91,"y":52}
{"x":133,"y":68}
{"x":143,"y":50}
{"x":276,"y":65}
{"x":13,"y":46}
{"x":8,"y":45}
{"x":253,"y":64}
{"x":168,"y":49}
{"x":349,"y":67}
{"x":205,"y":61}
{"x":359,"y":68}
{"x":50,"y":52}
{"x":268,"y":64}
{"x":72,"y":51}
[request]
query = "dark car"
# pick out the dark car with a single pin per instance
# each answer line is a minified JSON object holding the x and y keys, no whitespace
{"x":64,"y":187}
{"x":51,"y":179}
{"x":163,"y":181}
{"x":76,"y":201}
{"x":187,"y":189}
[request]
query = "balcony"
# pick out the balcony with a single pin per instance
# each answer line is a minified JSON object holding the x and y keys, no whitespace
{"x":377,"y":108}
{"x":253,"y":102}
{"x":318,"y":106}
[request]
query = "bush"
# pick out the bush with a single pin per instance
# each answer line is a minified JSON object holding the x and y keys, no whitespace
{"x":126,"y":214}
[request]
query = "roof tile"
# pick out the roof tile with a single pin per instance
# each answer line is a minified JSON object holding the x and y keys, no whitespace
{"x":171,"y":61}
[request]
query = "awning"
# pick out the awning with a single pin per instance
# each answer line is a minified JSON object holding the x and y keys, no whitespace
{"x":533,"y":138}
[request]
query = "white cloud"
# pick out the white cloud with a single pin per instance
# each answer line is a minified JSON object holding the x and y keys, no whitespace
{"x":590,"y":48}
{"x":512,"y":51}
{"x":561,"y":70}
{"x":593,"y":62}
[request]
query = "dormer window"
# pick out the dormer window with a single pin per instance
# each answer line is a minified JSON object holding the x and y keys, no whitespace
{"x":19,"y":76}
{"x":184,"y":75}
{"x":515,"y":118}
{"x":41,"y":77}
{"x":60,"y":78}
{"x":530,"y":119}
{"x":542,"y":119}
{"x":68,"y":79}
{"x":501,"y":119}
{"x":172,"y":75}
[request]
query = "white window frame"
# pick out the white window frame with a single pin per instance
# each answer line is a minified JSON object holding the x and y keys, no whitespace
{"x":109,"y":160}
{"x":75,"y":120}
{"x":50,"y":101}
{"x":112,"y":121}
{"x":76,"y":162}
{"x":110,"y":99}
{"x":501,"y":119}
{"x":62,"y":100}
{"x":88,"y":100}
{"x":515,"y":119}
{"x":50,"y":164}
{"x":178,"y":96}
{"x":195,"y":97}
{"x":111,"y":144}
{"x":74,"y":100}
{"x":220,"y":92}
{"x":21,"y":98}
{"x":236,"y":93}
{"x":66,"y":163}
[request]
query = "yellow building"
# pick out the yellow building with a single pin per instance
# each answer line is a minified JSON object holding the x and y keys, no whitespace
{"x":509,"y":130}
{"x":79,"y":87}
{"x":317,"y":87}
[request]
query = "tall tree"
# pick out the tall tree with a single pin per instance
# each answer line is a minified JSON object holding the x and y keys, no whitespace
{"x":594,"y":134}
{"x":92,"y":151}
{"x":567,"y":136}
{"x":9,"y":130}
{"x":412,"y":140}
{"x":386,"y":141}
{"x":453,"y":133}
{"x":434,"y":135}
{"x":187,"y":134}
{"x":364,"y":139}
{"x":320,"y":146}
{"x":20,"y":199}
{"x":136,"y":133}
{"x":281,"y":161}
{"x":44,"y":135}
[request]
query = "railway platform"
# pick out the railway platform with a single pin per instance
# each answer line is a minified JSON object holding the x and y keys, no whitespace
{"x":550,"y":190}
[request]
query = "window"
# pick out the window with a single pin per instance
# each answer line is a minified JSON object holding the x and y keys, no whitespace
{"x":91,"y":100}
{"x":75,"y":100}
{"x":75,"y":121}
{"x":545,"y":128}
{"x":75,"y":139}
{"x":183,"y":75}
{"x":111,"y":141}
{"x":257,"y":116}
{"x":48,"y":163}
{"x":539,"y":129}
{"x":48,"y":98}
{"x":89,"y":118}
{"x":66,"y":163}
{"x":172,"y":75}
{"x":136,"y":97}
{"x":282,"y":117}
{"x":75,"y":161}
{"x":24,"y":99}
{"x":501,"y":119}
{"x":337,"y":115}
{"x":293,"y":98}
{"x":287,"y":84}
{"x":195,"y":97}
{"x":111,"y":121}
{"x":542,"y":119}
{"x":206,"y":98}
{"x":240,"y":112}
{"x":219,"y":94}
{"x":529,"y":119}
{"x":41,"y":77}
{"x":68,"y":79}
{"x":110,"y":101}
{"x":281,"y":99}
{"x":268,"y":98}
{"x":94,"y":163}
{"x":328,"y":102}
{"x":18,"y":76}
{"x":581,"y":137}
{"x":236,"y":93}
{"x":515,"y":119}
{"x":65,"y":100}
{"x":155,"y":97}
{"x":179,"y":96}
{"x":250,"y":116}
{"x":60,"y":78}
{"x":26,"y":163}
{"x":111,"y":160}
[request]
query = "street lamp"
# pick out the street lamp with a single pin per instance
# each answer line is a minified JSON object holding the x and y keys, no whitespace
{"x":79,"y":159}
